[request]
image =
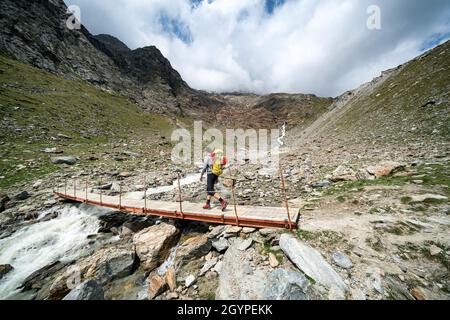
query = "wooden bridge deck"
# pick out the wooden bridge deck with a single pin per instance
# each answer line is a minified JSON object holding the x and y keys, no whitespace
{"x":247,"y":216}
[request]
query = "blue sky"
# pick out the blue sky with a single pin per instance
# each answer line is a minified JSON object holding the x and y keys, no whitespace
{"x":311,"y":46}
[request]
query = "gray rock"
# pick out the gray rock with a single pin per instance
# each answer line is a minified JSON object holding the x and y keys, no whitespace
{"x":286,"y":285}
{"x":189,"y":281}
{"x":311,"y":262}
{"x":69,"y":160}
{"x":153,"y":244}
{"x":248,"y":230}
{"x":5,"y":269}
{"x":231,"y":231}
{"x":104,"y":265}
{"x":342,"y":260}
{"x":321,"y":184}
{"x":220,"y":245}
{"x":428,"y":197}
{"x":397,"y":290}
{"x":207,"y":266}
{"x":21,"y":196}
{"x":192,"y":248}
{"x":3,"y":200}
{"x":247,"y":243}
{"x":357,"y":294}
{"x":88,"y":290}
{"x":218,"y":267}
{"x":106,"y":186}
{"x":237,"y":279}
{"x":267,"y":232}
{"x":343,"y":173}
{"x":374,"y":279}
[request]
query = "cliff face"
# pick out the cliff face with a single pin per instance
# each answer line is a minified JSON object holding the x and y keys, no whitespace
{"x":36,"y":33}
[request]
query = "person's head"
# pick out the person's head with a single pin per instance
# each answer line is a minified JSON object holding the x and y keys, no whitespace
{"x":209,"y":149}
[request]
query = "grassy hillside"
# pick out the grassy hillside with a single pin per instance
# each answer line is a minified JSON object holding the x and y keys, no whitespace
{"x":412,"y":103}
{"x":37,"y":108}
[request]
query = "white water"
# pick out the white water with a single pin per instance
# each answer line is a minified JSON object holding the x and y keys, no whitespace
{"x":38,"y":245}
{"x":162,"y":269}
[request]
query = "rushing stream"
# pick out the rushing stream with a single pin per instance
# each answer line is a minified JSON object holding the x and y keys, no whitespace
{"x":40,"y":244}
{"x":62,"y":238}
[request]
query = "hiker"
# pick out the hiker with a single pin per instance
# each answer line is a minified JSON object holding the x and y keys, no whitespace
{"x":213,"y":165}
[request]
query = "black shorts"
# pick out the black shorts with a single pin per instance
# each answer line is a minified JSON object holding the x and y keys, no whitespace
{"x":211,"y":180}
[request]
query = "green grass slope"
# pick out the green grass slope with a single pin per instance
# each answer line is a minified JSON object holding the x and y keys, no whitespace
{"x":36,"y":107}
{"x":411,"y":104}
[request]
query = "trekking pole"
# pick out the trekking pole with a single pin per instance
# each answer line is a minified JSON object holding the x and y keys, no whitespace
{"x":283,"y":187}
{"x":86,"y":191}
{"x":74,"y":188}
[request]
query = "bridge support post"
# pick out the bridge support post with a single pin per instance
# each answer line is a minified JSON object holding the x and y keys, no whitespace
{"x":120,"y":197}
{"x":179,"y":195}
{"x":283,"y":190}
{"x":145,"y":194}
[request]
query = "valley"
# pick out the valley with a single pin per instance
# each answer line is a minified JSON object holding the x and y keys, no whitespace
{"x":369,"y":171}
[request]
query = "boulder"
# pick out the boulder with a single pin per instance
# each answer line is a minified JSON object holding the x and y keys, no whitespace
{"x":137,"y":224}
{"x":215,"y":232}
{"x":247,"y":230}
{"x":428,"y":197}
{"x":435,"y":250}
{"x":5,"y":269}
{"x":220,"y":245}
{"x":341,"y":260}
{"x":156,"y":285}
{"x":38,"y":279}
{"x":21,"y":196}
{"x":311,"y":262}
{"x":320,"y":184}
{"x":268,"y":232}
{"x":193,"y":248}
{"x":171,"y":279}
{"x":231,"y":231}
{"x":273,"y":261}
{"x":111,"y":220}
{"x":287,"y":285}
{"x":237,"y":279}
{"x":88,"y":290}
{"x":385,"y":168}
{"x":69,"y":160}
{"x":208,"y":266}
{"x":153,"y":244}
{"x":247,"y":243}
{"x":189,"y":281}
{"x":103,"y":266}
{"x":3,"y":200}
{"x":343,"y":173}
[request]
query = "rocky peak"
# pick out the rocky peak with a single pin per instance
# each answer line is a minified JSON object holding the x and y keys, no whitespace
{"x":112,"y":42}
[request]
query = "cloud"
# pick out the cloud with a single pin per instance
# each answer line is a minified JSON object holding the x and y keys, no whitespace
{"x":310,"y":46}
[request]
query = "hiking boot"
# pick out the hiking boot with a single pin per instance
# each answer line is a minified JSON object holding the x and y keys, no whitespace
{"x":224,"y":205}
{"x":207,"y":206}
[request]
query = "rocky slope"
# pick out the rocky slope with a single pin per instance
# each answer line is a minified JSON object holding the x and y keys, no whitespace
{"x":36,"y":33}
{"x":369,"y":170}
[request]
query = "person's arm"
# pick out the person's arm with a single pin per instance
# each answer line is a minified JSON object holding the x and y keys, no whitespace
{"x":205,"y":166}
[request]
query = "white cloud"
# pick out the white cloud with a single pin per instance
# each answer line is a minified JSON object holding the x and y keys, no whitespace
{"x":310,"y":46}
